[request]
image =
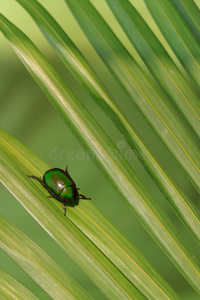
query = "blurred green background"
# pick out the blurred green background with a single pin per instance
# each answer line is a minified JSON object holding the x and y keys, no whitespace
{"x":26,"y":113}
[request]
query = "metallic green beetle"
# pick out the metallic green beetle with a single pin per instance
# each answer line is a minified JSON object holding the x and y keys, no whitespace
{"x":61,"y":187}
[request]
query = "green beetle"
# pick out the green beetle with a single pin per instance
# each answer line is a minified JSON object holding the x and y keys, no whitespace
{"x":61,"y":187}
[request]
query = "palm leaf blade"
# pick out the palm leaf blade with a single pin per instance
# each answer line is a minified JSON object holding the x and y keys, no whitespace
{"x":97,"y":228}
{"x":174,"y":28}
{"x":165,"y":124}
{"x":101,"y":271}
{"x":35,"y":262}
{"x":130,"y":188}
{"x":79,"y":67}
{"x":12,"y":289}
{"x":159,"y":62}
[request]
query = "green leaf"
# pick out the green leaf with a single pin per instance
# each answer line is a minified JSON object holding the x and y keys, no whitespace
{"x":97,"y":228}
{"x":178,"y":35}
{"x":81,"y":70}
{"x":12,"y":289}
{"x":143,"y":92}
{"x":159,"y":62}
{"x":38,"y":264}
{"x":118,"y":172}
{"x":101,"y":271}
{"x":190,"y":13}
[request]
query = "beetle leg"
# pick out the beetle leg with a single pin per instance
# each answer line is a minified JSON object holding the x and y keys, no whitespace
{"x":66,"y":169}
{"x":51,"y":196}
{"x":38,"y":179}
{"x":64,"y":207}
{"x":83,"y":197}
{"x":63,"y":203}
{"x":34,"y":177}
